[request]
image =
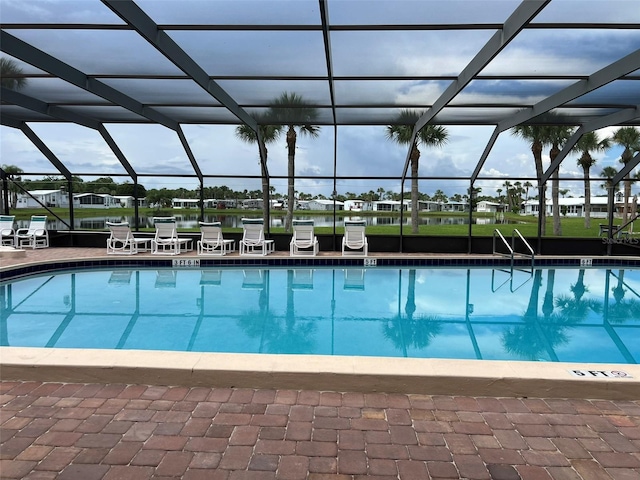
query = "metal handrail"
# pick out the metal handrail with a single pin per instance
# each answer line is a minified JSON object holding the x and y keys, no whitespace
{"x":531,"y":253}
{"x":506,"y":244}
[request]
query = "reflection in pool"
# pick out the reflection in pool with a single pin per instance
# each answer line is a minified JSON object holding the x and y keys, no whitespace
{"x":571,"y":315}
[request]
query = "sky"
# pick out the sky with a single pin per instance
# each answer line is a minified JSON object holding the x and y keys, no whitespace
{"x":360,"y":150}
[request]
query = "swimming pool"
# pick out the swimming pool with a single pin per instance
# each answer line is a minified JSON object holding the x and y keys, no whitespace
{"x":552,"y":315}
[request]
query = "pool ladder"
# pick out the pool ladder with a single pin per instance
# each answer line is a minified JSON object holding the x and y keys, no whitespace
{"x":498,"y":239}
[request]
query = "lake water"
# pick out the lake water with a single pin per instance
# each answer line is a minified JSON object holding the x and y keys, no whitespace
{"x":187,"y":221}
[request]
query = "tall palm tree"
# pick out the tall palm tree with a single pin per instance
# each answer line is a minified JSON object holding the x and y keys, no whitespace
{"x":292,"y":110}
{"x":527,"y":185}
{"x":10,"y":74}
{"x":537,"y":136}
{"x":589,"y":143}
{"x":14,"y":174}
{"x":629,"y":139}
{"x":507,"y":186}
{"x":557,"y":135}
{"x":430,"y":136}
{"x":269,"y":134}
{"x":607,"y":174}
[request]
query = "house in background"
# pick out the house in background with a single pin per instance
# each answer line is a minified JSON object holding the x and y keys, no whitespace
{"x":391,"y":205}
{"x":184,"y":202}
{"x":573,"y":207}
{"x":324,"y":204}
{"x":127,"y":201}
{"x":485,"y":206}
{"x":48,"y":198}
{"x":95,"y":200}
{"x":454,"y":207}
{"x":357,"y":205}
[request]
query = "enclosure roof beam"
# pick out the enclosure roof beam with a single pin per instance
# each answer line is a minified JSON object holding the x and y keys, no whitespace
{"x":25,"y":101}
{"x":132,"y":14}
{"x":522,"y":15}
{"x":17,"y":48}
{"x":613,"y":119}
{"x":631,"y":164}
{"x":608,"y":74}
{"x":40,"y":145}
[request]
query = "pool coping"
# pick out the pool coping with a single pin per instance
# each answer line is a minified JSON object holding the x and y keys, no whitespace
{"x":491,"y":378}
{"x":475,"y":378}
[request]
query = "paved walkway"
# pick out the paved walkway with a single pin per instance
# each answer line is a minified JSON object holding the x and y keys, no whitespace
{"x":139,"y":432}
{"x":87,"y":432}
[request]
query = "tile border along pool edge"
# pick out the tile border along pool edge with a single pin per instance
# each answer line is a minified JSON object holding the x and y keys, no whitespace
{"x":331,"y":373}
{"x":326,"y":373}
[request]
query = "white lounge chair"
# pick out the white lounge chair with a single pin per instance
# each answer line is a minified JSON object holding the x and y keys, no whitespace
{"x":166,"y":240}
{"x":36,"y":235}
{"x":121,"y":240}
{"x":7,"y":232}
{"x":354,"y":241}
{"x":253,"y":241}
{"x":304,"y":241}
{"x":212,"y":242}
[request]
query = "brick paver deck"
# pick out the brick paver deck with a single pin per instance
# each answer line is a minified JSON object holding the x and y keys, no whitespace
{"x":96,"y":431}
{"x":75,"y":431}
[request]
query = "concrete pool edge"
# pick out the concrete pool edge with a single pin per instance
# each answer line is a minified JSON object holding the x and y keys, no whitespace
{"x":313,"y":372}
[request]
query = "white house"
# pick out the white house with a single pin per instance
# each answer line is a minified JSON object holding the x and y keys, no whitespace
{"x":454,"y":206}
{"x":252,"y":203}
{"x":391,"y":205}
{"x":48,"y":198}
{"x":322,"y":204}
{"x":185,"y":202}
{"x":572,"y":207}
{"x":488,"y":207}
{"x":95,"y":200}
{"x":357,"y":205}
{"x":428,"y":206}
{"x":127,"y":201}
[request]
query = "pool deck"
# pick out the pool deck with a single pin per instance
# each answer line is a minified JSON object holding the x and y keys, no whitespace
{"x":69,"y":414}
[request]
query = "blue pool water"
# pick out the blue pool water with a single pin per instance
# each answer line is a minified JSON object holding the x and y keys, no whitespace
{"x":570,"y":315}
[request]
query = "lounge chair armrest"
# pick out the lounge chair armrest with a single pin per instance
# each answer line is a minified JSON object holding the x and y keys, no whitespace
{"x":22,"y":231}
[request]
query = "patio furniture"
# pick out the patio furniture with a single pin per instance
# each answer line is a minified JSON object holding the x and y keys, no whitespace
{"x":304,"y":241}
{"x":354,"y":242}
{"x":36,"y":235}
{"x":166,"y":240}
{"x":7,"y":231}
{"x":253,"y":241}
{"x":122,"y":241}
{"x":211,"y":240}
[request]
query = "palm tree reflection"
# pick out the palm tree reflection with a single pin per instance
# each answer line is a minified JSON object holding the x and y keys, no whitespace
{"x":623,"y":309}
{"x":409,"y":332}
{"x":288,"y":334}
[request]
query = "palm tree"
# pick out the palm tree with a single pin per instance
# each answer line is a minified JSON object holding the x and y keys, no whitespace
{"x":269,"y":134}
{"x":537,"y":136}
{"x":14,"y":174}
{"x":294,"y":111}
{"x":557,"y":136}
{"x":629,"y":138}
{"x":527,"y":185}
{"x":607,"y":174}
{"x":507,"y":186}
{"x":589,"y":143}
{"x":430,"y":136}
{"x":10,"y":74}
